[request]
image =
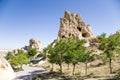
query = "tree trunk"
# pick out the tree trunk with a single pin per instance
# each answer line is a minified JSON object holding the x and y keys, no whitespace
{"x":60,"y":68}
{"x":52,"y":67}
{"x":68,"y":66}
{"x":20,"y":68}
{"x":60,"y":63}
{"x":110,"y":65}
{"x":73,"y":69}
{"x":85,"y":69}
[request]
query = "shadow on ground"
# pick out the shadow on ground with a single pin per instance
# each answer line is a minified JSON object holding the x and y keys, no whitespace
{"x":54,"y":76}
{"x":57,"y":76}
{"x":30,"y":75}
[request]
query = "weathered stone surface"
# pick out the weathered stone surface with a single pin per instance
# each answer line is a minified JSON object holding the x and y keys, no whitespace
{"x":33,"y":43}
{"x":72,"y":25}
{"x":6,"y":71}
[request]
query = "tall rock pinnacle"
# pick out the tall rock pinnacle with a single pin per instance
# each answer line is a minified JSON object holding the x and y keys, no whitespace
{"x":72,"y":25}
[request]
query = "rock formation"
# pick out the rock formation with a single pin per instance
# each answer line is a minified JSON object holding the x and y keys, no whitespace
{"x":72,"y":25}
{"x":33,"y":43}
{"x":6,"y":71}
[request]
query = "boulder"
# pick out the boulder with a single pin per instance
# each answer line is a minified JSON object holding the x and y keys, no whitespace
{"x":6,"y":71}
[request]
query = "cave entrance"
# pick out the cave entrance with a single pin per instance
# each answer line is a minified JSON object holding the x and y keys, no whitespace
{"x":79,"y":28}
{"x":63,"y":36}
{"x":84,"y":35}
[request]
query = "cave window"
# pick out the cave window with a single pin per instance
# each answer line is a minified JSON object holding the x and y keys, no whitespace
{"x":63,"y":36}
{"x":69,"y":35}
{"x":79,"y":28}
{"x":84,"y":35}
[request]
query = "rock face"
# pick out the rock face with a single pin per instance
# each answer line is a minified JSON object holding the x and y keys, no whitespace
{"x":33,"y":43}
{"x":72,"y":25}
{"x":6,"y":71}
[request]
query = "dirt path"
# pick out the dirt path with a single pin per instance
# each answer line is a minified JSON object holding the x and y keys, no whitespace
{"x":28,"y":73}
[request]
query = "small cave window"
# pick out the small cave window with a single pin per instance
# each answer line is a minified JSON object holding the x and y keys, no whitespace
{"x":79,"y":28}
{"x":70,"y":35}
{"x":63,"y":36}
{"x":84,"y":35}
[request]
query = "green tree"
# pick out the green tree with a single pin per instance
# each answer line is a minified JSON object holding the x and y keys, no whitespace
{"x":72,"y":52}
{"x":102,"y":37}
{"x":32,"y":52}
{"x":9,"y":55}
{"x":19,"y":60}
{"x":68,"y":52}
{"x":51,"y":54}
{"x":86,"y":57}
{"x":77,"y":51}
{"x":59,"y":52}
{"x":110,"y":46}
{"x":56,"y":52}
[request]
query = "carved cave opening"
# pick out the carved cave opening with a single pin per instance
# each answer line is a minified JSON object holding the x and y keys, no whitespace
{"x":63,"y":36}
{"x":84,"y":35}
{"x":69,"y":34}
{"x":79,"y":29}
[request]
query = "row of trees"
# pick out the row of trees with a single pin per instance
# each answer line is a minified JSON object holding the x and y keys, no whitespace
{"x":72,"y":51}
{"x":68,"y":51}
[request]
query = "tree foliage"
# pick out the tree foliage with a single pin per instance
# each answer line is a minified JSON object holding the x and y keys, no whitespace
{"x":109,"y":46}
{"x":69,"y":51}
{"x":86,"y":57}
{"x":32,"y":52}
{"x":56,"y":53}
{"x":9,"y":55}
{"x":19,"y":59}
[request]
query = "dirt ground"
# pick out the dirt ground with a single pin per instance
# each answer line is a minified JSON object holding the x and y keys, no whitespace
{"x":95,"y":68}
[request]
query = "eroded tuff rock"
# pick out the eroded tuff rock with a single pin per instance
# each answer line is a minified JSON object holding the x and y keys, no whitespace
{"x":6,"y":71}
{"x":72,"y":25}
{"x":33,"y":43}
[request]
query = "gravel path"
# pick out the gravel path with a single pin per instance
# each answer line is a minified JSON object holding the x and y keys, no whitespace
{"x":28,"y":73}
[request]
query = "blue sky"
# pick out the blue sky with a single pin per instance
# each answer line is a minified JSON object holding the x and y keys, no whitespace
{"x":21,"y":20}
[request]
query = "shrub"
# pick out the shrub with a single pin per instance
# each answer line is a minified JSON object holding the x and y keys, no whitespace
{"x":19,"y":60}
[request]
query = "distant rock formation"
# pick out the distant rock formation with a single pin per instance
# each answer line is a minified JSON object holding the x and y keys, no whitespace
{"x":72,"y":25}
{"x":33,"y":43}
{"x":6,"y":71}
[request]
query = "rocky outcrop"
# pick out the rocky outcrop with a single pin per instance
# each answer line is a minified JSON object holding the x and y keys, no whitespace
{"x":72,"y":25}
{"x":6,"y":71}
{"x":33,"y":43}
